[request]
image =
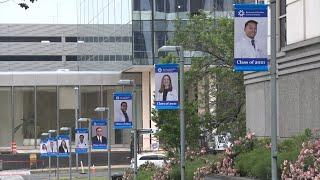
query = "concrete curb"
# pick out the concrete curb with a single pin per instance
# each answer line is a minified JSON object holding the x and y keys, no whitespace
{"x":65,"y":169}
{"x":222,"y":177}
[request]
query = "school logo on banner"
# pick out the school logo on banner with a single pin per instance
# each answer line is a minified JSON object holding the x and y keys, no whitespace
{"x":166,"y":86}
{"x":99,"y":134}
{"x":122,"y":110}
{"x":250,"y":37}
{"x":82,"y":135}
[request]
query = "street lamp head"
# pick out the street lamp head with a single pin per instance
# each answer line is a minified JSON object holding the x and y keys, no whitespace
{"x":52,"y":131}
{"x":126,"y":82}
{"x":76,"y":88}
{"x":169,"y":48}
{"x":64,"y":129}
{"x":83,"y":119}
{"x":100,"y":109}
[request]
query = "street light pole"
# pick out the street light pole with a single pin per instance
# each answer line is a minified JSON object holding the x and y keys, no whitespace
{"x":106,"y":109}
{"x":109,"y":143}
{"x":273,"y":83}
{"x":50,"y":132}
{"x":182,"y":121}
{"x":76,"y":94}
{"x":135,"y":123}
{"x":89,"y":148}
{"x":70,"y":151}
{"x":179,"y":50}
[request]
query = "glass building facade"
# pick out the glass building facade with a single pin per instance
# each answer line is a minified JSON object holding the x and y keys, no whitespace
{"x":153,"y":22}
{"x":26,"y":112}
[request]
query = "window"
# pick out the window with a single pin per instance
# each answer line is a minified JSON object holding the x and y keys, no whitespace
{"x":283,"y":24}
{"x":160,"y":5}
{"x":30,"y":58}
{"x":29,"y":39}
{"x":71,"y":39}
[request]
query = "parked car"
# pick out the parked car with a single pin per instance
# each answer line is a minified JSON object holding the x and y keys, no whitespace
{"x":219,"y":143}
{"x":157,"y":159}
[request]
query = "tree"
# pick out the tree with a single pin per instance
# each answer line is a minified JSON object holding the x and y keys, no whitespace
{"x":169,"y":123}
{"x":214,"y":37}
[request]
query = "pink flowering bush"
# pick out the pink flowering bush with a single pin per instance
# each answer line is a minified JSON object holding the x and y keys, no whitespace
{"x":307,"y":165}
{"x":242,"y":145}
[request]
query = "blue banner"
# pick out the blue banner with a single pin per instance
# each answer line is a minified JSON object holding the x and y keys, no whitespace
{"x":250,"y":37}
{"x":250,"y":10}
{"x":99,"y":134}
{"x":63,"y":145}
{"x":166,"y":86}
{"x":122,"y":110}
{"x":81,"y":138}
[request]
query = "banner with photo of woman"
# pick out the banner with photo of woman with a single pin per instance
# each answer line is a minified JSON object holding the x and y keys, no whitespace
{"x":52,"y":147}
{"x":63,"y":145}
{"x":44,"y":148}
{"x":81,"y":136}
{"x":166,"y":86}
{"x":122,"y":110}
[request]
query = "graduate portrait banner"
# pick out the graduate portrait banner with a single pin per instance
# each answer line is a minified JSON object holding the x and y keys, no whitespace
{"x":99,"y":133}
{"x":122,"y":102}
{"x":63,"y":145}
{"x":250,"y":37}
{"x":44,"y":148}
{"x":82,"y":135}
{"x":166,"y":86}
{"x":52,"y":147}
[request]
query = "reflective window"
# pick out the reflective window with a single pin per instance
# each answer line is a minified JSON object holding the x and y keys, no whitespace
{"x":159,"y":5}
{"x":181,"y":5}
{"x":66,"y":107}
{"x":171,"y":6}
{"x":46,"y":108}
{"x":6,"y":118}
{"x":90,"y":99}
{"x":24,"y":116}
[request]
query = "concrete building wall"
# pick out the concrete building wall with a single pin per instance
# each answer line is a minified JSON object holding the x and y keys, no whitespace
{"x":298,"y":82}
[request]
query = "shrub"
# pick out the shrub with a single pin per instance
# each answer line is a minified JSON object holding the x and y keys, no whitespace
{"x":255,"y":163}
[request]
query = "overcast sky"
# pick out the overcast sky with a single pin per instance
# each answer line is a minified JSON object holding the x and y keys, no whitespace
{"x":41,"y":12}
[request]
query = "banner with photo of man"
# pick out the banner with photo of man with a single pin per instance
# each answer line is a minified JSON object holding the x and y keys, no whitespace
{"x":250,"y":37}
{"x":52,"y":147}
{"x":99,"y":133}
{"x":166,"y":86}
{"x":44,"y":148}
{"x":81,"y":137}
{"x":122,"y":110}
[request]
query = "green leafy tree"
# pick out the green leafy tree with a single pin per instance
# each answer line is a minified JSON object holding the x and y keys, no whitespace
{"x":169,"y":123}
{"x":215,"y":38}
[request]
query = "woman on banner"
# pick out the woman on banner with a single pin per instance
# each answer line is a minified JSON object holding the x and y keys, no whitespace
{"x":63,"y":148}
{"x":166,"y":91}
